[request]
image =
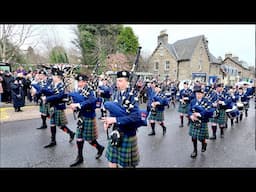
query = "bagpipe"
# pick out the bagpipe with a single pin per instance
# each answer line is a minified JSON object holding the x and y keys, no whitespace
{"x":162,"y":99}
{"x":204,"y":108}
{"x":186,"y":97}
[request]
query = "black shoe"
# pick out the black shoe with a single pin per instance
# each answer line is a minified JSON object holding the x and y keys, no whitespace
{"x":42,"y":127}
{"x":222,"y":136}
{"x":100,"y":152}
{"x":53,"y":143}
{"x":164,"y":130}
{"x":204,"y":145}
{"x":213,"y":138}
{"x":151,"y":134}
{"x":193,"y":154}
{"x":180,"y":126}
{"x":72,"y":136}
{"x":78,"y":161}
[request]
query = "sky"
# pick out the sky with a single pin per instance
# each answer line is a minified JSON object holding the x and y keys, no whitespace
{"x":238,"y":39}
{"x":226,"y":38}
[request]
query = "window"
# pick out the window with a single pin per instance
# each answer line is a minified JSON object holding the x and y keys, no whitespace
{"x":167,"y":65}
{"x":156,"y":65}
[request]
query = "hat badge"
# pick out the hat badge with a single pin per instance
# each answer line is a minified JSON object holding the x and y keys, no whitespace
{"x":80,"y":78}
{"x":124,"y":73}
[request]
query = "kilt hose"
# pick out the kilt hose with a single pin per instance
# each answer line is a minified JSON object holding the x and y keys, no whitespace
{"x":158,"y":117}
{"x":58,"y":118}
{"x":183,"y":108}
{"x":89,"y":131}
{"x":199,"y":133}
{"x":127,"y":154}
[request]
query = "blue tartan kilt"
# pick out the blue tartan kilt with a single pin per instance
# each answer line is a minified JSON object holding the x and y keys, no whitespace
{"x":158,"y":117}
{"x":127,"y":154}
{"x":58,"y":118}
{"x":199,"y":133}
{"x":45,"y":109}
{"x":183,"y":108}
{"x":89,"y":131}
{"x":221,"y":120}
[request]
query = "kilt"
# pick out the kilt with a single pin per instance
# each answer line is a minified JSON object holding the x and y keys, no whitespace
{"x":221,"y":119}
{"x":45,"y":109}
{"x":183,"y":110}
{"x":89,"y":131}
{"x":59,"y":118}
{"x":158,"y":117}
{"x":127,"y":154}
{"x":199,"y":133}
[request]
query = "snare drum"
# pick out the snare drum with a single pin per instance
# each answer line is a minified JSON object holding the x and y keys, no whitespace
{"x":232,"y":113}
{"x":240,"y":106}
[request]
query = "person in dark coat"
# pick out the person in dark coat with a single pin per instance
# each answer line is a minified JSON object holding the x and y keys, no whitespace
{"x":18,"y":95}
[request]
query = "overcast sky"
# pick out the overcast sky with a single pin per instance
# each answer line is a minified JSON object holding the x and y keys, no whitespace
{"x":226,"y":38}
{"x":236,"y":39}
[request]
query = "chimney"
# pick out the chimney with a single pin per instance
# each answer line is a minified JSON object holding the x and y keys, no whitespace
{"x":219,"y":59}
{"x":235,"y":59}
{"x":228,"y":55}
{"x":163,"y":37}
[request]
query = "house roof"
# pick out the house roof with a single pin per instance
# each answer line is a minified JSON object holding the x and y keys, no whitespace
{"x":184,"y":49}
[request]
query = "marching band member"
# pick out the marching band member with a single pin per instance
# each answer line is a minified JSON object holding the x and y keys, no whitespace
{"x":157,"y":110}
{"x":57,"y":113}
{"x":241,"y":98}
{"x":199,"y":112}
{"x":37,"y":91}
{"x":221,"y":102}
{"x":87,"y":129}
{"x":124,"y":153}
{"x":104,"y":91}
{"x":184,"y":99}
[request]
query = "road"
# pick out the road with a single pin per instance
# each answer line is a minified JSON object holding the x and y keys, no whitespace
{"x":22,"y":145}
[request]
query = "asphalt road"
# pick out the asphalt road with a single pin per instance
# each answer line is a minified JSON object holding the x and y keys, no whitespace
{"x":22,"y":146}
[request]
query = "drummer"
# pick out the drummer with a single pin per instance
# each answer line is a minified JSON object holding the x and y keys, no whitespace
{"x":241,"y":99}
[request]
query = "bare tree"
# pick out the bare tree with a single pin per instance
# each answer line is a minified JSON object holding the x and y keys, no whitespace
{"x":12,"y":38}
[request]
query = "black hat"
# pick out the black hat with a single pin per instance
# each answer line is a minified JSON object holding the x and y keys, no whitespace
{"x":57,"y":73}
{"x":42,"y":72}
{"x":81,"y":77}
{"x":125,"y":74}
{"x":219,"y":85}
{"x":198,"y":88}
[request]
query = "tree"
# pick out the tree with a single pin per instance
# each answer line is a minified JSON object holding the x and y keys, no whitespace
{"x":58,"y":55}
{"x":127,"y":42}
{"x":96,"y":42}
{"x":12,"y":38}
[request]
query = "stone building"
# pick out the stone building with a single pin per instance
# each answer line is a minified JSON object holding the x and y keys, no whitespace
{"x":235,"y":71}
{"x":185,"y":59}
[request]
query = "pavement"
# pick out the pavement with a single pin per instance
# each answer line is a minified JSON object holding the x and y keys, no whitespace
{"x":29,"y":111}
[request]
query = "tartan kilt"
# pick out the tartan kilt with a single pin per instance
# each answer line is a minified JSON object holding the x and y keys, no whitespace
{"x":221,"y":119}
{"x":158,"y":117}
{"x":127,"y":154}
{"x":45,"y":109}
{"x":59,"y":118}
{"x":89,"y":131}
{"x":183,"y":110}
{"x":199,"y":133}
